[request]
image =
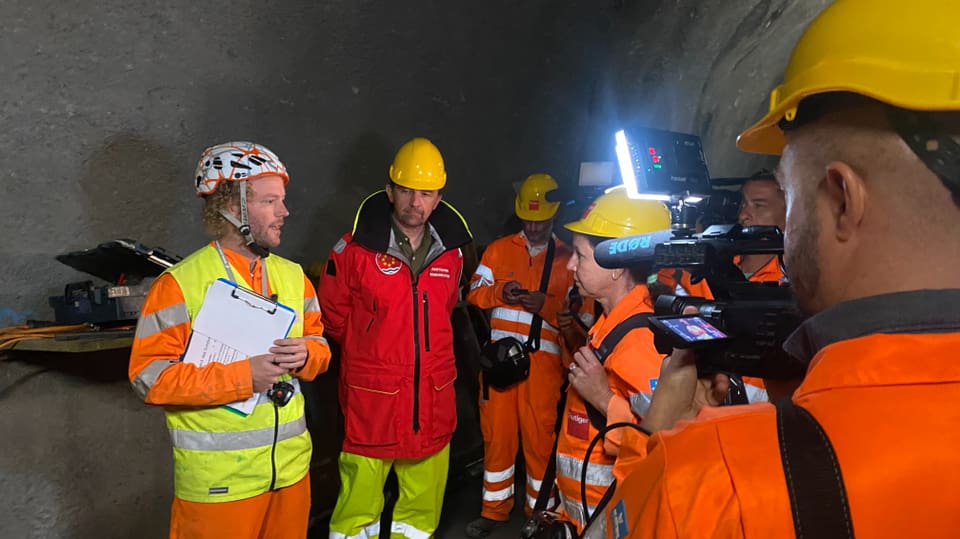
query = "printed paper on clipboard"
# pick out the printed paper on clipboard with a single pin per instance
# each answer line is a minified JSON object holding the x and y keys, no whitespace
{"x":235,"y":323}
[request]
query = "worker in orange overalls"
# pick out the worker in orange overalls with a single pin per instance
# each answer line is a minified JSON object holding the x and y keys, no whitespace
{"x":866,"y":122}
{"x":234,"y":475}
{"x":510,"y":265}
{"x":598,"y":393}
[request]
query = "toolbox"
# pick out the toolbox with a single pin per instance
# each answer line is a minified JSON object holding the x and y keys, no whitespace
{"x":129,"y":266}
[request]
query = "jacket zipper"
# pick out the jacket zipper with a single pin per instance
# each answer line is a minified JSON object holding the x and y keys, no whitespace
{"x":426,"y":322}
{"x":273,"y":450}
{"x":416,"y":356}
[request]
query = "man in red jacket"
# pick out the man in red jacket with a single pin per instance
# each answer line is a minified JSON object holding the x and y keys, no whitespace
{"x":387,"y":295}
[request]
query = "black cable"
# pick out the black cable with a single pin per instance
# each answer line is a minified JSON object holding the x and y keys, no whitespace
{"x":6,"y":391}
{"x":586,"y":461}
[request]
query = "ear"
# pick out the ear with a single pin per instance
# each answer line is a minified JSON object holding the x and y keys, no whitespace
{"x":847,"y":195}
{"x":234,"y":208}
{"x":389,"y":189}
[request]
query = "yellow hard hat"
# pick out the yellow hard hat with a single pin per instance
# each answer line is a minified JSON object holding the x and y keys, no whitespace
{"x":532,"y":203}
{"x":903,"y":54}
{"x":418,"y":165}
{"x":616,"y":215}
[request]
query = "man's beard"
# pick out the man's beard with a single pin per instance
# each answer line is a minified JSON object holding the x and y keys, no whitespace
{"x":802,"y":265}
{"x":262,"y":235}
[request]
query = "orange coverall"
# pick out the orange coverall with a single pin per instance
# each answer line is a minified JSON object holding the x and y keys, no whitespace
{"x":529,"y":407}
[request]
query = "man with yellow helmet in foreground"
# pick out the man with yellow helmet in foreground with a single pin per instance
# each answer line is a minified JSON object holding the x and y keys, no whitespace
{"x":508,"y":284}
{"x":234,"y":475}
{"x":387,"y":292}
{"x":866,"y":122}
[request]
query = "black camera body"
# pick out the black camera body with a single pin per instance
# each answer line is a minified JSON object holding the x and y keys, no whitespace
{"x":757,"y":316}
{"x":547,"y":525}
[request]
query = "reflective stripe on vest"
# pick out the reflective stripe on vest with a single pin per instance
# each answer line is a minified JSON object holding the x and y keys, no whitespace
{"x":218,"y":455}
{"x":233,"y":441}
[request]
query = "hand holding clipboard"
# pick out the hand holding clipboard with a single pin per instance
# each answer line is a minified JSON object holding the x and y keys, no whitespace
{"x":234,"y":324}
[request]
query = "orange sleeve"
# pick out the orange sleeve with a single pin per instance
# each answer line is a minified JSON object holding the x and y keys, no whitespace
{"x":633,"y":450}
{"x":631,"y":367}
{"x":486,"y":292}
{"x":648,"y":509}
{"x":318,"y":352}
{"x":157,"y":372}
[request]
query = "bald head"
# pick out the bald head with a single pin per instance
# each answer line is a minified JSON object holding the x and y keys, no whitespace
{"x":864,"y":215}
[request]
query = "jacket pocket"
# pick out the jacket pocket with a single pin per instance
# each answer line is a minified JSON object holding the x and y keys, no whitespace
{"x":444,"y":405}
{"x":370,"y":415}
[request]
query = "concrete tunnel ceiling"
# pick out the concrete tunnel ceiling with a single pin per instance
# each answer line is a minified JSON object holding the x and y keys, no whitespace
{"x":108,"y":105}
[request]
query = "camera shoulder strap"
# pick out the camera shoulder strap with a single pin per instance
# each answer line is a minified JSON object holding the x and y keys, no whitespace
{"x":637,"y":321}
{"x":550,"y":474}
{"x":818,"y":499}
{"x":533,"y":341}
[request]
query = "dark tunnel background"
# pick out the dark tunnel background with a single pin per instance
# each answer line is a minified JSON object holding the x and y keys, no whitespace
{"x":107,"y":105}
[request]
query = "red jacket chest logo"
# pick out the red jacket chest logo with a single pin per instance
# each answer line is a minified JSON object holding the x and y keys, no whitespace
{"x":387,"y":264}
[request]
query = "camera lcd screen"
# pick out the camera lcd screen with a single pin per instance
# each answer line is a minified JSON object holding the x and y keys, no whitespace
{"x":693,"y":328}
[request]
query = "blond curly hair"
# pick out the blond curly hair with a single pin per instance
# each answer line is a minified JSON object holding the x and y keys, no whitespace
{"x":226,"y":195}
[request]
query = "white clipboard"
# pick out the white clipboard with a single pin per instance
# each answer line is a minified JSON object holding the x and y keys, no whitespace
{"x":235,"y":323}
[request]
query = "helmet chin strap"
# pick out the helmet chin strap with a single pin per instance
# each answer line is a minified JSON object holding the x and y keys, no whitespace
{"x":244,"y":226}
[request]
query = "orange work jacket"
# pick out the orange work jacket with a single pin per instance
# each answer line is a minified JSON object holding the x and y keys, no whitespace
{"x":884,"y":381}
{"x":507,"y":259}
{"x":632,"y":367}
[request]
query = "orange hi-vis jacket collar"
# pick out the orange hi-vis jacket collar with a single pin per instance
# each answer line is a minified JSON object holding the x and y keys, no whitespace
{"x":632,"y":303}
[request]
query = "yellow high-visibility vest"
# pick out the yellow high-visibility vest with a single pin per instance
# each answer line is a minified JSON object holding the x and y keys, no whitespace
{"x":218,"y":454}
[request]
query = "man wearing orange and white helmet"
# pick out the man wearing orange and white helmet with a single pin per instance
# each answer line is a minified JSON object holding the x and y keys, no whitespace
{"x":234,"y":476}
{"x":866,"y":123}
{"x":507,"y":283}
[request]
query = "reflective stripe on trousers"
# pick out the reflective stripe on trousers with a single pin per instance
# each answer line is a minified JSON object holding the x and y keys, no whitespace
{"x":369,"y":532}
{"x":497,"y":495}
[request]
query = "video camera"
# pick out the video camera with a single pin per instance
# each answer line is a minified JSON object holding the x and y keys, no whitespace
{"x":742,"y":329}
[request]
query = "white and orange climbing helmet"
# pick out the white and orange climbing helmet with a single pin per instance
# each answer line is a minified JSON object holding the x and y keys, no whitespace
{"x":236,"y":161}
